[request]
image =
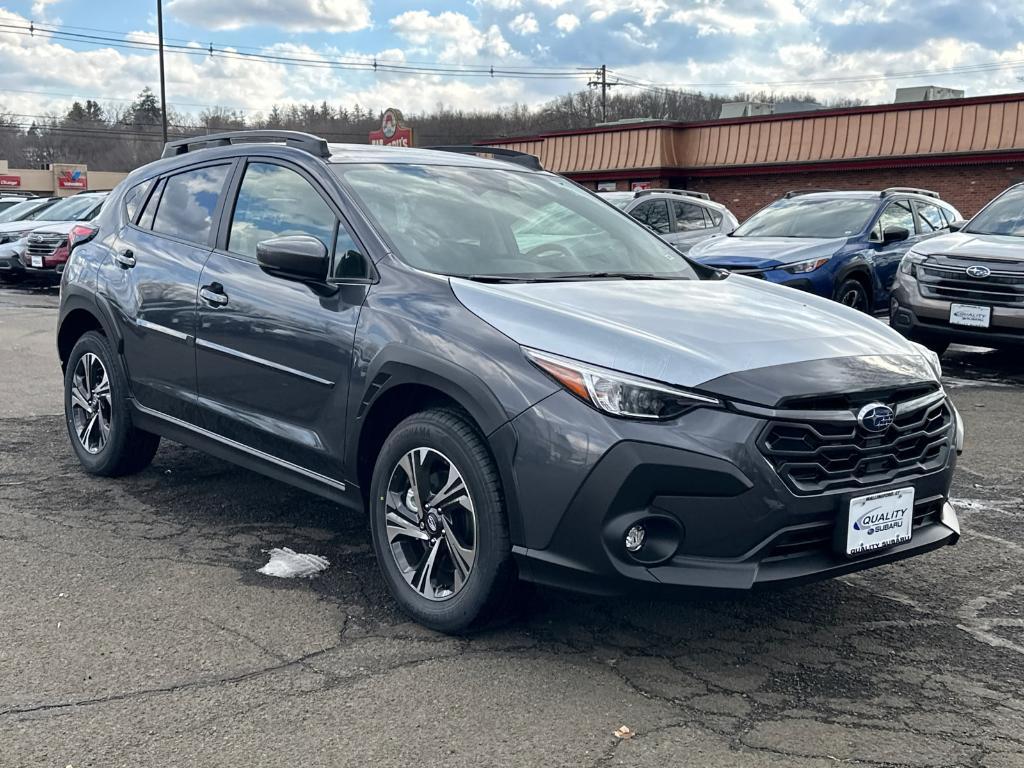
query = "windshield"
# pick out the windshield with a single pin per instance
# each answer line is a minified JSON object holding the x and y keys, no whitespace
{"x":1003,"y":216}
{"x":72,"y":209}
{"x":804,"y":217}
{"x":484,"y":222}
{"x":20,"y":211}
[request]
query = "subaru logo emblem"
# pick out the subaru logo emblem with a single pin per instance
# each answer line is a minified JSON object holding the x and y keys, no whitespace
{"x":875,"y":417}
{"x":979,"y":271}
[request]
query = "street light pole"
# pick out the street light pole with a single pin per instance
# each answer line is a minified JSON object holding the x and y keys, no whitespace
{"x":163,"y":88}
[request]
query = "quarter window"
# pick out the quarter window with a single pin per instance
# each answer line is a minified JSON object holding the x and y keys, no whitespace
{"x":274,"y":201}
{"x":188,"y":203}
{"x":897,"y":214}
{"x":134,"y":199}
{"x":688,"y":216}
{"x":931,"y":217}
{"x":653,"y":213}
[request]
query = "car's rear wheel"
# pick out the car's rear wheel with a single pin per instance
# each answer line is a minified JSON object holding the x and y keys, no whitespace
{"x":438,"y":522}
{"x":97,"y":412}
{"x":852,"y":293}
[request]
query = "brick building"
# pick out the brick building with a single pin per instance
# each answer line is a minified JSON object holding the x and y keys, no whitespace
{"x":968,"y":150}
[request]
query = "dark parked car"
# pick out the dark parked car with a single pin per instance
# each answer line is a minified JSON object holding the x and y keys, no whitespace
{"x":967,"y":286}
{"x":844,"y":246}
{"x":391,"y":328}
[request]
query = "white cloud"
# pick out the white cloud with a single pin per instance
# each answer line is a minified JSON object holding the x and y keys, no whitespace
{"x":293,"y":15}
{"x":567,"y":23}
{"x":40,"y":9}
{"x":524,"y":24}
{"x":650,"y":11}
{"x":460,"y":39}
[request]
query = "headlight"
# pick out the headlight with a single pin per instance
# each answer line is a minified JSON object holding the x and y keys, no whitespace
{"x":802,"y":267}
{"x":617,"y":393}
{"x":931,"y":357}
{"x":910,"y":262}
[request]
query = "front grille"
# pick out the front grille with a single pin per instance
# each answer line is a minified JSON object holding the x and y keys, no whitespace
{"x":44,"y":244}
{"x":818,"y":537}
{"x":817,"y":455}
{"x":950,"y":282}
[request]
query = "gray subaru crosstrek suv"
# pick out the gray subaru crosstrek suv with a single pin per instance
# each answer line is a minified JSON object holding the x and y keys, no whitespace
{"x":512,"y":378}
{"x":966,"y":286}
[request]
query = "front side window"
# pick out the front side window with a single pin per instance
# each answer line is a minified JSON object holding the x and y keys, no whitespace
{"x":653,"y":213}
{"x":931,"y":217}
{"x":688,"y":216}
{"x":809,"y":217}
{"x":509,"y":224}
{"x":1003,"y":216}
{"x":188,"y":203}
{"x":896,"y":215}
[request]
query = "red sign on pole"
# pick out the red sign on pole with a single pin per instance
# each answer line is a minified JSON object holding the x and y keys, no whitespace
{"x":392,"y":133}
{"x":10,"y":181}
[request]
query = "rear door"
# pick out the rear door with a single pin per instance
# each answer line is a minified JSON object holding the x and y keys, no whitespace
{"x":690,"y":224}
{"x":153,"y":279}
{"x":274,"y":355}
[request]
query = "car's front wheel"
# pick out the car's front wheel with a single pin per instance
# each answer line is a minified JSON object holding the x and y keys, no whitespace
{"x":96,"y":408}
{"x":852,"y":293}
{"x":438,"y":522}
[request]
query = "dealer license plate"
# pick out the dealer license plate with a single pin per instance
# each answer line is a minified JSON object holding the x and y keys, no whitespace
{"x":880,"y":520}
{"x":968,"y":314}
{"x":37,"y":261}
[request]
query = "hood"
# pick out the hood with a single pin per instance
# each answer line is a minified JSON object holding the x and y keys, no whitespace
{"x":969,"y":246}
{"x":763,"y":252}
{"x":16,"y":227}
{"x":683,"y":332}
{"x":56,"y":227}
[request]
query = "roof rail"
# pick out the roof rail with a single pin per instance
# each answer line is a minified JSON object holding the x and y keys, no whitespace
{"x":798,"y":192}
{"x":683,"y":192}
{"x":913,"y":190}
{"x":307,"y":142}
{"x":17,"y":193}
{"x":498,"y":153}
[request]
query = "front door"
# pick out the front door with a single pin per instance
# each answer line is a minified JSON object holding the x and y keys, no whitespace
{"x":152,"y":280}
{"x":887,"y":257}
{"x":273,"y":355}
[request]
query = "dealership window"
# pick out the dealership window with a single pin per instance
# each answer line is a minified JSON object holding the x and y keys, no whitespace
{"x":897,"y":214}
{"x":931,"y":217}
{"x":653,"y":213}
{"x":688,"y":216}
{"x":188,"y":202}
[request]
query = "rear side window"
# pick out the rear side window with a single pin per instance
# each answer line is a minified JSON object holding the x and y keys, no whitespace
{"x":653,"y":213}
{"x":188,"y":203}
{"x":134,"y":199}
{"x":688,"y":216}
{"x":274,"y":201}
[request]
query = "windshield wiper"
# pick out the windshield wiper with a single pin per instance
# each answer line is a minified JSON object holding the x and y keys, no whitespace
{"x":612,"y":276}
{"x":501,"y":278}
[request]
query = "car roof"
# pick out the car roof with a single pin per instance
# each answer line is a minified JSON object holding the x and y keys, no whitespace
{"x":668,"y":196}
{"x":374,"y":153}
{"x":859,"y":194}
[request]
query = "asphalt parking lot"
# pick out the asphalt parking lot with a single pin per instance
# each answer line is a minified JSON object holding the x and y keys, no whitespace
{"x":136,"y":631}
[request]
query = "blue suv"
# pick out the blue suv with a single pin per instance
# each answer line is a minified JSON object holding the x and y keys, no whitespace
{"x":844,"y":246}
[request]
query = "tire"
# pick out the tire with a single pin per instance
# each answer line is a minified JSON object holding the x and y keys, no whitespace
{"x":852,"y":293}
{"x":404,"y":535}
{"x":121,"y":449}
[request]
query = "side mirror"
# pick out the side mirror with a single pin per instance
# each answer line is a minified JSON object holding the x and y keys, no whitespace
{"x":956,"y":226}
{"x":895,"y":235}
{"x":294,"y":257}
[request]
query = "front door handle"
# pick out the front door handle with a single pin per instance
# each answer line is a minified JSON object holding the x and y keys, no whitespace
{"x":214,"y":294}
{"x":125,"y":258}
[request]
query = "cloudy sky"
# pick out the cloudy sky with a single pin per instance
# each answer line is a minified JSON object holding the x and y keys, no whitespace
{"x":859,"y":48}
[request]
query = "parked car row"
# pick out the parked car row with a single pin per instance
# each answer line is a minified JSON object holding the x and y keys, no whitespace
{"x":902,"y":251}
{"x":36,"y":235}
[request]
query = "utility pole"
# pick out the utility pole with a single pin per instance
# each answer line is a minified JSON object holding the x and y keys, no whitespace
{"x":602,"y":73}
{"x":163,"y":87}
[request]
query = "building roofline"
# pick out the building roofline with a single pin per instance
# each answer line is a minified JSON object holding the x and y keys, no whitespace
{"x":997,"y":98}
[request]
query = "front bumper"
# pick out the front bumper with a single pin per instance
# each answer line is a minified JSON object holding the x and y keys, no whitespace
{"x":700,"y":483}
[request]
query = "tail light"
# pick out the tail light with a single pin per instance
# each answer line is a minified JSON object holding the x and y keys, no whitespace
{"x":81,"y":233}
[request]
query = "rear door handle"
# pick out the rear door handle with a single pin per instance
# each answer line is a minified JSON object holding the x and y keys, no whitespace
{"x":214,"y":294}
{"x":125,"y":258}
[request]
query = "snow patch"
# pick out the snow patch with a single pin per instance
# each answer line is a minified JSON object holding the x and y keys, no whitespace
{"x":286,"y":563}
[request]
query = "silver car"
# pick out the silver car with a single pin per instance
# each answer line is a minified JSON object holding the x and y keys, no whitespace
{"x":681,"y":217}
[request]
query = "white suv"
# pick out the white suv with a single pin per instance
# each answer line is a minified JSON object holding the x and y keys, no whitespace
{"x":680,"y":216}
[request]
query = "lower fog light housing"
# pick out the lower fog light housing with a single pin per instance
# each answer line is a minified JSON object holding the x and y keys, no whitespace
{"x":635,"y":538}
